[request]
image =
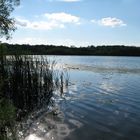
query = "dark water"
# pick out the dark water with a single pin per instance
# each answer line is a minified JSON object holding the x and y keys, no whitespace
{"x":101,"y":103}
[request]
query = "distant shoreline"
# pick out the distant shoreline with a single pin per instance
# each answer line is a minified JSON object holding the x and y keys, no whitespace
{"x":115,"y":50}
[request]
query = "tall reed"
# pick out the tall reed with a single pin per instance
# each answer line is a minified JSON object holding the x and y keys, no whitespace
{"x":28,"y":83}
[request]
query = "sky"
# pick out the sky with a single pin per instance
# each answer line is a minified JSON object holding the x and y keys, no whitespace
{"x":77,"y":22}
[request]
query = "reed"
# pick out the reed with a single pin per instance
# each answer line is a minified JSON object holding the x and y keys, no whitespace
{"x":28,"y":83}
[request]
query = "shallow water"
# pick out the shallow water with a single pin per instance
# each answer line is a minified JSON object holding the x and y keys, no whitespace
{"x":102,"y":101}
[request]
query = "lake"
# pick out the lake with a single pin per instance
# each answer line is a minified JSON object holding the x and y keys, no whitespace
{"x":102,"y":101}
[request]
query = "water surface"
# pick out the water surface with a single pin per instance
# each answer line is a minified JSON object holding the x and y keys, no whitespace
{"x":102,"y":101}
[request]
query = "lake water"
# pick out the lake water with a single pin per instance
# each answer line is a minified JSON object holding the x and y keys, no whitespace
{"x":102,"y":101}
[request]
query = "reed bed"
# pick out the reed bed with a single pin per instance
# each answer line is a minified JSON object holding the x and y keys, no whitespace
{"x":27,"y":84}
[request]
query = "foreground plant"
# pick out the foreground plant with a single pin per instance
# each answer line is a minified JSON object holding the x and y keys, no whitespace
{"x":7,"y":120}
{"x":27,"y":84}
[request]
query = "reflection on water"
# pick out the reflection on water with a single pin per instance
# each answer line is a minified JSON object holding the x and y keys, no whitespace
{"x":49,"y":125}
{"x":101,"y":103}
{"x":103,"y":69}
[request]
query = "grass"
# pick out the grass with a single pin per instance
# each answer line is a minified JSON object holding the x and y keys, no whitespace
{"x":27,"y":84}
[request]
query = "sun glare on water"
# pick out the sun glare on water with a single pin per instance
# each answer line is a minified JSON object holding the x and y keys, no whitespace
{"x":33,"y":137}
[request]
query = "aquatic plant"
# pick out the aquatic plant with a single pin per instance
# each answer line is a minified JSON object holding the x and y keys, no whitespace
{"x":7,"y":120}
{"x":27,"y":83}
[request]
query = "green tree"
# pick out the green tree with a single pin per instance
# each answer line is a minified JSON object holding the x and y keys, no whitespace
{"x":7,"y":24}
{"x":7,"y":110}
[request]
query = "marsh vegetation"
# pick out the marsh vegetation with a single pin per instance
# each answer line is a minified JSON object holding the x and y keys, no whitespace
{"x":27,"y":84}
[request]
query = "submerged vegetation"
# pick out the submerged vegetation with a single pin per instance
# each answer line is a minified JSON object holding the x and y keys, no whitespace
{"x":116,"y":50}
{"x":27,"y":84}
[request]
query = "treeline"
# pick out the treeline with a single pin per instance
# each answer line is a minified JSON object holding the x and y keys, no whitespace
{"x":115,"y":50}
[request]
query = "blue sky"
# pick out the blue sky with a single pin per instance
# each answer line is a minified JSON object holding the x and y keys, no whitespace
{"x":77,"y":22}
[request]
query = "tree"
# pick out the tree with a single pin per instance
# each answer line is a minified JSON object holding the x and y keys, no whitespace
{"x":7,"y":110}
{"x":7,"y":24}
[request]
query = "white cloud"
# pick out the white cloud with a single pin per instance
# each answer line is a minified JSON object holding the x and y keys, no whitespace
{"x":66,"y":0}
{"x":109,"y":22}
{"x":39,"y":25}
{"x":27,"y":40}
{"x":63,"y":17}
{"x":94,"y":21}
{"x":51,"y":21}
{"x":21,"y":22}
{"x":69,"y":0}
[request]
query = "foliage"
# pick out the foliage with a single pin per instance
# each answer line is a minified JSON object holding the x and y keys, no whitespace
{"x":7,"y":119}
{"x":6,"y":108}
{"x":116,"y":50}
{"x":6,"y":22}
